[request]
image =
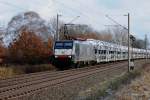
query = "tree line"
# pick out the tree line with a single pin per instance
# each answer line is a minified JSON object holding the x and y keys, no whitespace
{"x":30,"y":48}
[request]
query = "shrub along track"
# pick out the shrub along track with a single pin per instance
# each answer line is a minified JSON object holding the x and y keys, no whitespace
{"x":23,"y":85}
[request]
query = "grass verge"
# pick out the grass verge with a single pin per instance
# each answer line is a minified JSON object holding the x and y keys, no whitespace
{"x":101,"y":90}
{"x":6,"y":72}
{"x":11,"y":70}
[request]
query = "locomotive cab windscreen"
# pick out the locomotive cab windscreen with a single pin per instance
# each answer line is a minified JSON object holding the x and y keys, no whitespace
{"x":63,"y":48}
{"x":63,"y":45}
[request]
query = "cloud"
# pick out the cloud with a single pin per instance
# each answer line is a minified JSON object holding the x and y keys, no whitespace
{"x":91,"y":12}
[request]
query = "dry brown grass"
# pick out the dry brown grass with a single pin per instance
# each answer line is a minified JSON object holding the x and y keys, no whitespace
{"x":139,"y":89}
{"x":38,"y":68}
{"x":11,"y":70}
{"x":6,"y":72}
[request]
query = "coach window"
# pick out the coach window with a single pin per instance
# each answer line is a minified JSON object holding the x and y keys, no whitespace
{"x":124,"y":53}
{"x":110,"y":52}
{"x":95,"y":51}
{"x":113,"y":52}
{"x":104,"y":51}
{"x":118,"y":52}
{"x":99,"y":51}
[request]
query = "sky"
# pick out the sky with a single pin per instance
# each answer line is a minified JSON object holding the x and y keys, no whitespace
{"x":91,"y":12}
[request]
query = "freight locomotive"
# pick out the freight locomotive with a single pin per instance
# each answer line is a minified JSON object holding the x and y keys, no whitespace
{"x":90,"y":51}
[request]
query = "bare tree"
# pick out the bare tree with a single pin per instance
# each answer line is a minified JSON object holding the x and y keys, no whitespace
{"x":105,"y":35}
{"x":52,"y":24}
{"x":120,"y":35}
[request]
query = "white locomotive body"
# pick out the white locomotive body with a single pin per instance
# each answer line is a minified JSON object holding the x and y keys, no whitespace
{"x":74,"y":51}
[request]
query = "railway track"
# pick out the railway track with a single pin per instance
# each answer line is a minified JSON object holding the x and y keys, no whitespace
{"x":37,"y":77}
{"x":40,"y":75}
{"x":40,"y":81}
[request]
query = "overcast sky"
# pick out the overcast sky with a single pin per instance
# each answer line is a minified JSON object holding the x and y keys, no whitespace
{"x":91,"y":12}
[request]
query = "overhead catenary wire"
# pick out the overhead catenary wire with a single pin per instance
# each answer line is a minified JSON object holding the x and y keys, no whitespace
{"x":116,"y":22}
{"x":12,"y":5}
{"x":73,"y":9}
{"x":62,"y":4}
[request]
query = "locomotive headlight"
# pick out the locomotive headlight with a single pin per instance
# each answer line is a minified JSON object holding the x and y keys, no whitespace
{"x":56,"y":56}
{"x":69,"y":56}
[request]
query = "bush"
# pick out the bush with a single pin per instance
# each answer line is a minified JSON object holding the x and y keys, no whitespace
{"x":6,"y":72}
{"x":38,"y":68}
{"x":11,"y":70}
